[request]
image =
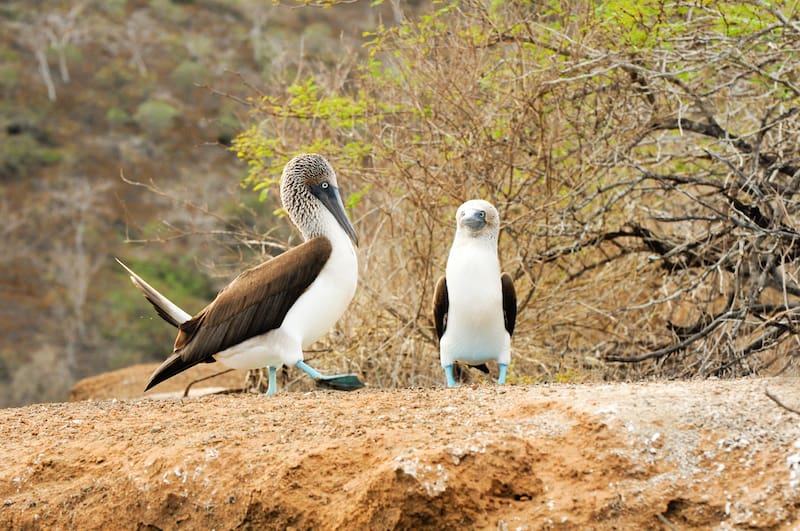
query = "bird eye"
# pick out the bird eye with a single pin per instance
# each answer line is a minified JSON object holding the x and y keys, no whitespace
{"x":324,"y":185}
{"x":482,"y":214}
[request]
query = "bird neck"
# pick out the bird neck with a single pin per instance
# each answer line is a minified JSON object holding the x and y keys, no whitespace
{"x":467,"y":237}
{"x":309,"y":223}
{"x":320,"y":222}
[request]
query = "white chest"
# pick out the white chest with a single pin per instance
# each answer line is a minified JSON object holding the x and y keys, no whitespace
{"x":475,"y":329}
{"x":324,"y":302}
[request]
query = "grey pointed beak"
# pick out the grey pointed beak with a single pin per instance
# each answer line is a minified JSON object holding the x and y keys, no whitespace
{"x":332,"y":200}
{"x":474,"y":219}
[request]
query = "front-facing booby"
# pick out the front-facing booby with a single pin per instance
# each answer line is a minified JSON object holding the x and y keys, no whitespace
{"x":268,"y":314}
{"x":474,"y":305}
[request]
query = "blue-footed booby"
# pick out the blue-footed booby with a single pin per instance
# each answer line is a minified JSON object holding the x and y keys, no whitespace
{"x":268,"y":314}
{"x":474,"y":304}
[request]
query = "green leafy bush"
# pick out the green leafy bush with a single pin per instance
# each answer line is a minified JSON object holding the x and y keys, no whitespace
{"x":188,"y":74}
{"x":117,"y":116}
{"x":154,"y":116}
{"x":9,"y":76}
{"x":20,"y":153}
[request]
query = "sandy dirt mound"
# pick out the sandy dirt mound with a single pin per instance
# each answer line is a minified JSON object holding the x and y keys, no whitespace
{"x":711,"y":454}
{"x":131,"y":381}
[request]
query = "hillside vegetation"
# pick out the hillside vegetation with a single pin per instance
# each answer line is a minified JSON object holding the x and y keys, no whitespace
{"x":92,"y":91}
{"x":642,"y":155}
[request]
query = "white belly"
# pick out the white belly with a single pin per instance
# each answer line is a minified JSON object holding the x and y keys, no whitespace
{"x":475,"y":330}
{"x":310,"y":318}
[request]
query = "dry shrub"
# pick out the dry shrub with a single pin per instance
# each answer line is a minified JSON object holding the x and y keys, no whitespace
{"x":642,"y":159}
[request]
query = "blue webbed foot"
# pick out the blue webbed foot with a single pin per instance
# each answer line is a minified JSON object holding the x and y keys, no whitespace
{"x":448,"y":374}
{"x":339,"y":382}
{"x":273,"y":383}
{"x":502,"y":378}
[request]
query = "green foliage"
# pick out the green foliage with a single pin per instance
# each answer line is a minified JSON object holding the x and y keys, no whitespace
{"x":22,"y":153}
{"x":73,"y":54}
{"x":188,"y":74}
{"x":180,"y":278}
{"x":639,"y":24}
{"x":170,"y":10}
{"x":9,"y":76}
{"x":354,"y":199}
{"x":115,"y":75}
{"x":643,"y":25}
{"x":114,"y":7}
{"x":7,"y":55}
{"x":228,"y":124}
{"x":154,"y":116}
{"x":13,"y":11}
{"x":138,"y":332}
{"x":568,"y":376}
{"x":10,"y":70}
{"x":254,"y":147}
{"x":740,"y":19}
{"x":342,"y":116}
{"x":116,"y":116}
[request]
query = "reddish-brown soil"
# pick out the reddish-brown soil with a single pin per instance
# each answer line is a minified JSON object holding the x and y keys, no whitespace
{"x":677,"y":455}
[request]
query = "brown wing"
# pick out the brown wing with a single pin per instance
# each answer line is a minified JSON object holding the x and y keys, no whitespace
{"x":441,"y":303}
{"x":254,"y":303}
{"x":509,"y":302}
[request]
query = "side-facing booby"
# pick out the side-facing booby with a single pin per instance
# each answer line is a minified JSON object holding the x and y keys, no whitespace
{"x":268,"y":314}
{"x":474,"y":305}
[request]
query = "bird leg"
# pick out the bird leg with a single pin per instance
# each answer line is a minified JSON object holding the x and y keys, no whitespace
{"x":448,"y":374}
{"x":273,"y":384}
{"x":339,"y":382}
{"x":502,"y":378}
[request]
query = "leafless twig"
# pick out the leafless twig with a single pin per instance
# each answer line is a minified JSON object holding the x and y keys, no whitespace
{"x":778,"y":401}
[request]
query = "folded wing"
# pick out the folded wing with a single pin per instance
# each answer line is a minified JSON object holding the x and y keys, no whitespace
{"x":509,"y":302}
{"x":254,"y":303}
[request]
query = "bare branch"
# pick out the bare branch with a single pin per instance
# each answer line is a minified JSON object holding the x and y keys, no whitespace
{"x":778,"y":401}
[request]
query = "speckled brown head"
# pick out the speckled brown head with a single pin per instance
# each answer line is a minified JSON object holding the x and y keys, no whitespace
{"x":308,"y":185}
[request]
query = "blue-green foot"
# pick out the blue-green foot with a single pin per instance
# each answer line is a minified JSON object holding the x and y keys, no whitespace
{"x":339,"y":382}
{"x":502,"y":378}
{"x":448,"y":374}
{"x":273,"y":381}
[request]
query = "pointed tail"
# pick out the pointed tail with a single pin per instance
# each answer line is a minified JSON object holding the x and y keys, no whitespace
{"x":173,"y":365}
{"x":167,"y":309}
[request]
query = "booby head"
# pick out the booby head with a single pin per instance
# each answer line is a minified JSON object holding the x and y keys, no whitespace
{"x":308,"y":189}
{"x":477,"y":218}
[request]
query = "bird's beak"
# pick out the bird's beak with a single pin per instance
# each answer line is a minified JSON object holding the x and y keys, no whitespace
{"x":332,"y":200}
{"x":473,"y":220}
